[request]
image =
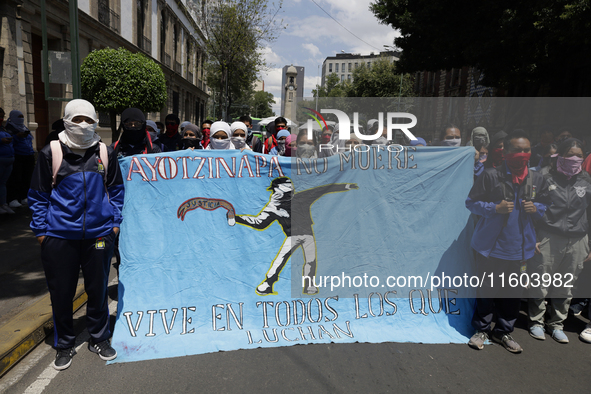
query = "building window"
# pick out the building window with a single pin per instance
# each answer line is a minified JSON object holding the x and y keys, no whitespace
{"x":342,"y":77}
{"x":291,"y":80}
{"x":163,"y":39}
{"x":348,"y":77}
{"x":107,"y":16}
{"x":329,"y":67}
{"x":356,"y":64}
{"x":142,"y":41}
{"x":349,"y":67}
{"x":343,"y":67}
{"x":336,"y":67}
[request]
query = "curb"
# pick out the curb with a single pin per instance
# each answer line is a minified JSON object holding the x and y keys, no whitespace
{"x":29,"y":328}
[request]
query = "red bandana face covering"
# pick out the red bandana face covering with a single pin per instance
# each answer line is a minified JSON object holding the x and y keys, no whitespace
{"x":517,"y":164}
{"x":171,"y":129}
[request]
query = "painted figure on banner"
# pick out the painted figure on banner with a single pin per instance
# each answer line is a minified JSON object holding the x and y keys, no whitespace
{"x":292,"y":211}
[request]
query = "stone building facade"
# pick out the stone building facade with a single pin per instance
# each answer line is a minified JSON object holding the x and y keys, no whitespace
{"x":163,"y":30}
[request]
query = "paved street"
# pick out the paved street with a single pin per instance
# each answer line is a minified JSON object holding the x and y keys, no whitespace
{"x":349,"y":368}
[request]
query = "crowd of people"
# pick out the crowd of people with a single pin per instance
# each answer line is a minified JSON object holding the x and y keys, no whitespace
{"x":531,"y":205}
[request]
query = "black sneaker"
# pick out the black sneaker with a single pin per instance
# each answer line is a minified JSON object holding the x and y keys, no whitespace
{"x":103,"y":349}
{"x":63,"y":359}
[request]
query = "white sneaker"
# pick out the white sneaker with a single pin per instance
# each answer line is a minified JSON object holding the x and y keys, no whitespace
{"x":6,"y":209}
{"x":585,"y":335}
{"x":14,"y":204}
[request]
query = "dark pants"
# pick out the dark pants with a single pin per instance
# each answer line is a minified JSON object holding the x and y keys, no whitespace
{"x":20,"y":178}
{"x":504,"y":302}
{"x":62,"y":260}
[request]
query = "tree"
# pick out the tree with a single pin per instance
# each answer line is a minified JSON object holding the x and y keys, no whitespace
{"x":236,"y":32}
{"x":518,"y":45}
{"x":262,"y":105}
{"x":116,"y":79}
{"x":333,"y":87}
{"x":380,"y":80}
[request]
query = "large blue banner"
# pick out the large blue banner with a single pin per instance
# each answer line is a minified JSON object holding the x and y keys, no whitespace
{"x":225,"y":250}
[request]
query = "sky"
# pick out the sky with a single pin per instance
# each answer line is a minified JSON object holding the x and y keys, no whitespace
{"x":311,"y":36}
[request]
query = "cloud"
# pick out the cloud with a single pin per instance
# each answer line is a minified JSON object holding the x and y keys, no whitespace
{"x":271,"y":58}
{"x":313,"y":49}
{"x":319,"y":28}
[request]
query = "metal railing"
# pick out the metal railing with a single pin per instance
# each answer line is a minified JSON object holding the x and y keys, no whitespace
{"x":190,"y":76}
{"x":167,"y":60}
{"x":177,"y":67}
{"x":108,"y":17}
{"x":145,"y":44}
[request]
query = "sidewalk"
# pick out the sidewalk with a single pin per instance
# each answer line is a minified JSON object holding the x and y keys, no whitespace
{"x":25,"y":307}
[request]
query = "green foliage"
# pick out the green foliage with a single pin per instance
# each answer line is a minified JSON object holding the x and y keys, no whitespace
{"x":116,"y":79}
{"x":262,"y":105}
{"x":380,"y":80}
{"x":516,"y":44}
{"x":237,"y":31}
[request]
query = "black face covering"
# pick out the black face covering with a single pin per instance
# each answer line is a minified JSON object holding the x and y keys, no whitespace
{"x":133,"y":135}
{"x":191,"y":143}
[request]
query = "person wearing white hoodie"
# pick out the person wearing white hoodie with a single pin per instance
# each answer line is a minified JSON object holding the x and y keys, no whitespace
{"x":76,"y":198}
{"x":221,"y":135}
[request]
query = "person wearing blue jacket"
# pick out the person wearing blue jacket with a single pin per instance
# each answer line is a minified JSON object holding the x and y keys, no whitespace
{"x":6,"y":162}
{"x":24,"y":159}
{"x":76,"y":214}
{"x":504,"y":238}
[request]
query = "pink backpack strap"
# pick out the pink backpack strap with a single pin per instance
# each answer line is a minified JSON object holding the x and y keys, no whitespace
{"x":57,"y":155}
{"x":104,"y":154}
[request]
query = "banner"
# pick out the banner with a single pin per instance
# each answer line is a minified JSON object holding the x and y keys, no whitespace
{"x":225,"y":250}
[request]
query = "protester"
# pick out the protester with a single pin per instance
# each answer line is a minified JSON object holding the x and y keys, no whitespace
{"x":280,"y":123}
{"x":481,"y":149}
{"x":563,"y":136}
{"x":495,"y":150}
{"x":171,"y":139}
{"x":418,"y":142}
{"x":76,"y":213}
{"x":239,"y":131}
{"x":154,"y":132}
{"x":562,"y":238}
{"x":205,"y":130}
{"x":6,"y":162}
{"x":251,"y":139}
{"x":537,"y":151}
{"x":24,"y":160}
{"x":280,"y":148}
{"x":450,"y":136}
{"x":504,"y":236}
{"x":290,"y":145}
{"x":56,"y":128}
{"x":479,"y":137}
{"x":221,"y":135}
{"x":545,"y":156}
{"x":191,"y":137}
{"x":306,"y":148}
{"x":183,"y":125}
{"x":134,"y":138}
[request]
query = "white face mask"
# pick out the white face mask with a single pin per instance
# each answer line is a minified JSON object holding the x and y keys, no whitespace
{"x":220,"y":144}
{"x":306,"y":151}
{"x":79,"y":135}
{"x":452,"y":142}
{"x":238,"y":142}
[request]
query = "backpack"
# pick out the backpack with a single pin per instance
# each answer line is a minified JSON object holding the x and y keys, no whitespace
{"x":57,"y":156}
